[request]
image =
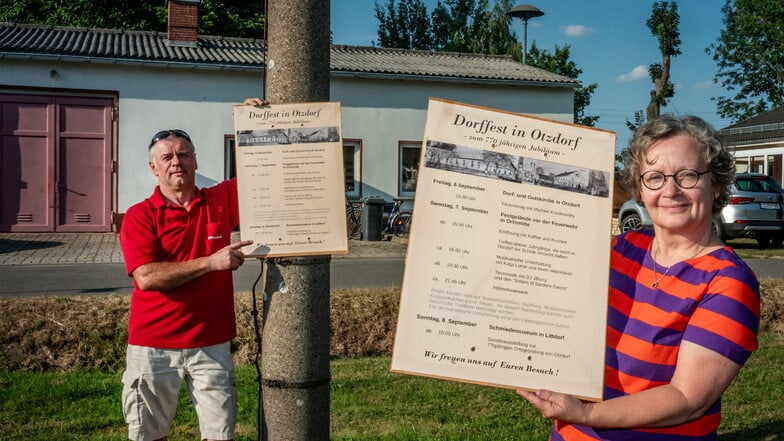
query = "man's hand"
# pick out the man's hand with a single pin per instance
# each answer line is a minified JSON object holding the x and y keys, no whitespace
{"x":229,"y":258}
{"x":255,"y":102}
{"x":168,"y":275}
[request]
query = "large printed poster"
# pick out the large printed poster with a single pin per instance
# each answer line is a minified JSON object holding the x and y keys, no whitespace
{"x":507,"y":269}
{"x":290,"y":179}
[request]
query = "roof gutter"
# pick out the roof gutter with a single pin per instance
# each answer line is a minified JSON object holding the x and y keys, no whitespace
{"x":260,"y":68}
{"x":760,"y":128}
{"x":130,"y":62}
{"x":445,"y":79}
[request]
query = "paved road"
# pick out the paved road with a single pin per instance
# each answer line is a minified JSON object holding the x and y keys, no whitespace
{"x":105,"y":278}
{"x":767,"y":268}
{"x":91,"y":263}
{"x":110,"y":278}
{"x":68,"y":264}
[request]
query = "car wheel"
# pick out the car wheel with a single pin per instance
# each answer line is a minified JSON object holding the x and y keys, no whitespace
{"x":630,"y":222}
{"x":777,"y":240}
{"x":766,"y":240}
{"x":718,"y":231}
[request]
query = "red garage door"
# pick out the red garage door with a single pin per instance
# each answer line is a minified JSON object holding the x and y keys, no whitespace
{"x":55,"y":163}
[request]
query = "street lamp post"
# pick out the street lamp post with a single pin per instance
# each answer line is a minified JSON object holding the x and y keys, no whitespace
{"x":524,"y":12}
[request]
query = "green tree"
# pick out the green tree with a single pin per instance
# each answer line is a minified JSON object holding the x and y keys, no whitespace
{"x":232,"y":18}
{"x":403,"y":25}
{"x":749,"y":53}
{"x":120,"y":14}
{"x":490,"y":31}
{"x":452,"y":25}
{"x":560,"y":64}
{"x":229,"y":18}
{"x":663,"y":24}
{"x":639,"y":119}
{"x":473,"y":26}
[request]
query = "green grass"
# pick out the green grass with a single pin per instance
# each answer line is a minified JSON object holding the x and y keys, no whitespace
{"x":367,"y":403}
{"x":753,"y":403}
{"x":748,"y":249}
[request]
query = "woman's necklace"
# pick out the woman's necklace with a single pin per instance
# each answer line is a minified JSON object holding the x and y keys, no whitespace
{"x":667,"y":270}
{"x":655,"y":280}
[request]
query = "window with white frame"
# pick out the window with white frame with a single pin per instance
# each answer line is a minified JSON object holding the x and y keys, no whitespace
{"x":229,"y":167}
{"x":408,"y":167}
{"x":352,"y":166}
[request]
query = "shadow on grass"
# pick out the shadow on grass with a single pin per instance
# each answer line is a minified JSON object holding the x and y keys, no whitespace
{"x":743,"y":245}
{"x":770,"y":431}
{"x":12,"y":245}
{"x":748,"y":249}
{"x":109,"y":290}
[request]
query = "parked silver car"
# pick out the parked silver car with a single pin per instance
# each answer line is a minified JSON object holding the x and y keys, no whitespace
{"x":754,"y":210}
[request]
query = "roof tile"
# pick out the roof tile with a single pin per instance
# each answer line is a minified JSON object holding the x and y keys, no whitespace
{"x":28,"y":40}
{"x":766,"y":126}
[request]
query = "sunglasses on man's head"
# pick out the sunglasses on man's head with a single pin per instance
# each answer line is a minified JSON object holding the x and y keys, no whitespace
{"x":166,"y":133}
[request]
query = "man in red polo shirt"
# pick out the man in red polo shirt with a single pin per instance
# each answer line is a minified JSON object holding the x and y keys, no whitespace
{"x":177,"y":247}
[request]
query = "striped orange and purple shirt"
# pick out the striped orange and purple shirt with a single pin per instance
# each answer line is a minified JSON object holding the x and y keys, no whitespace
{"x":711,"y":301}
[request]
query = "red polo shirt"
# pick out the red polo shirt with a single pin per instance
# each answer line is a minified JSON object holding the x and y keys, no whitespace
{"x":197,"y":313}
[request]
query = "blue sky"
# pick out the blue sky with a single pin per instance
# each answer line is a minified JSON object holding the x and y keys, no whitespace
{"x":609,"y":41}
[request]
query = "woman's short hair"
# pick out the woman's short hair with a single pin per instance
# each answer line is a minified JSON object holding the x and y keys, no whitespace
{"x":721,"y":163}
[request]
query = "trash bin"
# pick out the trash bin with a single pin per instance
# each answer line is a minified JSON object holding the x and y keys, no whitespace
{"x":372,"y":215}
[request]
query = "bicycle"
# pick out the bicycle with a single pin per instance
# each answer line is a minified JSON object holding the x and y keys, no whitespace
{"x":399,"y":221}
{"x":353,"y":219}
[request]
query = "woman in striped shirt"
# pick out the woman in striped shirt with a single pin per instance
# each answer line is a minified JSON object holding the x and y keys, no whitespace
{"x":683,"y":307}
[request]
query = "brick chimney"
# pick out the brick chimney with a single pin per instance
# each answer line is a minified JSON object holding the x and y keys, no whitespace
{"x":183,"y":19}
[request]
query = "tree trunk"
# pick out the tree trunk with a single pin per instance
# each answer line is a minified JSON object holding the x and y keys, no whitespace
{"x":657,"y":95}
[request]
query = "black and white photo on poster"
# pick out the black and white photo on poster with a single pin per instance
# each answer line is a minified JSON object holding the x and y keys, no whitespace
{"x":513,"y":168}
{"x":285,"y":136}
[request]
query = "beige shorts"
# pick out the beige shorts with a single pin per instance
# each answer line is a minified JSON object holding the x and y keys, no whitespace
{"x":151,"y":386}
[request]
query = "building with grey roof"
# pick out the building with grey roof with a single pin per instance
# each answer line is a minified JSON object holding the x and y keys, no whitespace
{"x":78,"y":106}
{"x":758,"y":143}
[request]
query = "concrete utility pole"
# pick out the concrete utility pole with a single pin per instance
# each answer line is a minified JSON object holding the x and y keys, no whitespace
{"x":295,"y":340}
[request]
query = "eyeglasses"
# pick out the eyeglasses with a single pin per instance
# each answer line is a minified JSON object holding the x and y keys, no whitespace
{"x":686,"y":178}
{"x":166,"y":133}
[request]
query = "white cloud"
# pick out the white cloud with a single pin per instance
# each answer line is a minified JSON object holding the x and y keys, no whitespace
{"x":704,"y":85}
{"x":638,"y":73}
{"x":573,"y":30}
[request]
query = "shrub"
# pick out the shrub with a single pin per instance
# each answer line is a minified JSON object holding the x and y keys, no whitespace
{"x":89,"y":332}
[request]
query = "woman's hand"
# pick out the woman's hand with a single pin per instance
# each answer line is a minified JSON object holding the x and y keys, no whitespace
{"x":700,"y":378}
{"x":557,"y":405}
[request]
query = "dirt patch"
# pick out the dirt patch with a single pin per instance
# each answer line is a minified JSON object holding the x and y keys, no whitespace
{"x":63,"y":333}
{"x":772,"y":306}
{"x":89,"y":332}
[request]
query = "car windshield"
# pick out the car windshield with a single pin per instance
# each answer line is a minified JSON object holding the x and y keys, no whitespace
{"x":760,"y":185}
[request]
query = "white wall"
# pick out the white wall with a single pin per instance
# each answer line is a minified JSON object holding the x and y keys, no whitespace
{"x":763,"y":155}
{"x":199,"y":102}
{"x":380,"y":113}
